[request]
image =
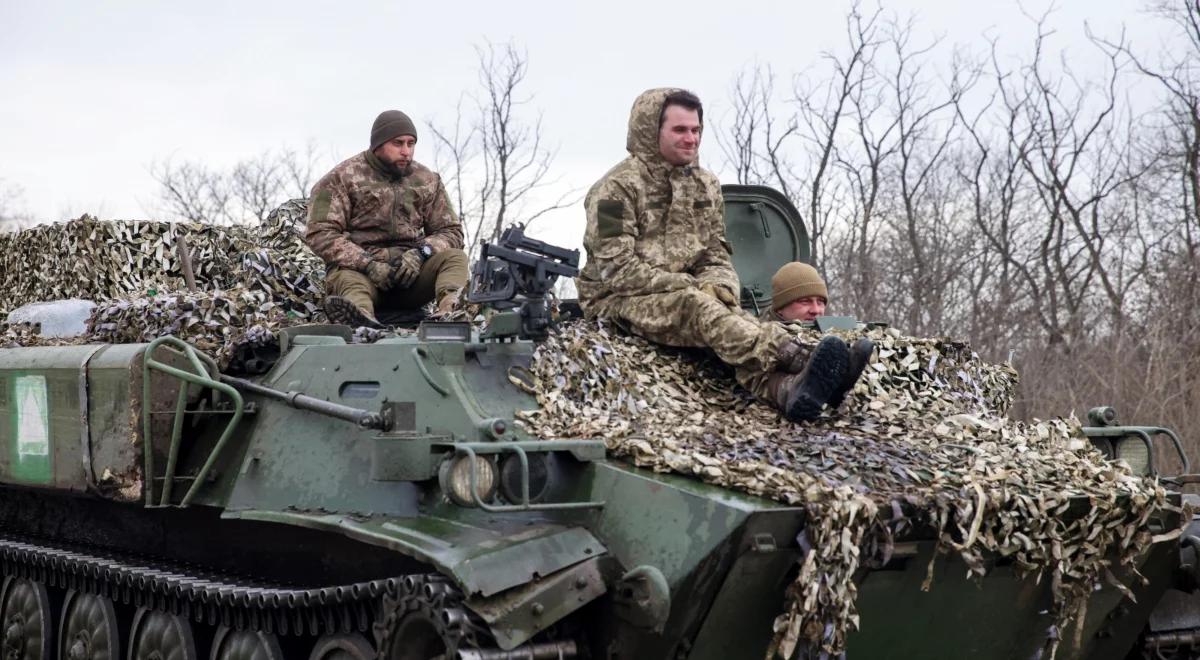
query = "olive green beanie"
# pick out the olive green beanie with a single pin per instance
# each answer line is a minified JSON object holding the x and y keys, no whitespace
{"x":794,"y":281}
{"x":390,"y":124}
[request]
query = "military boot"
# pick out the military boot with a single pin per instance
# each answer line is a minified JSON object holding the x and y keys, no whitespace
{"x":793,"y":355}
{"x":801,"y":396}
{"x":341,"y":310}
{"x":860,"y":355}
{"x":446,"y":305}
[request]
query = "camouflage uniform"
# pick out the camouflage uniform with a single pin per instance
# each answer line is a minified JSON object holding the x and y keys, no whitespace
{"x":770,"y":314}
{"x":655,"y":235}
{"x":362,"y":208}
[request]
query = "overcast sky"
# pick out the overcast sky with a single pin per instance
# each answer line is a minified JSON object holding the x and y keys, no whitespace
{"x":96,"y":91}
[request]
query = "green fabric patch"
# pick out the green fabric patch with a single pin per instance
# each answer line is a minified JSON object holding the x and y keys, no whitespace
{"x":609,"y":218}
{"x":702,"y":204}
{"x":320,"y":210}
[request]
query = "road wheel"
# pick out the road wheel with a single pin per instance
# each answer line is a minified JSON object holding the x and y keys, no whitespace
{"x":160,"y":636}
{"x":418,"y":636}
{"x":25,"y":620}
{"x":427,"y":619}
{"x":89,"y":629}
{"x":342,"y":647}
{"x":230,"y":644}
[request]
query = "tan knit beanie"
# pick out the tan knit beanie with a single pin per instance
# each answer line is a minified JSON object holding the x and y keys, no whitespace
{"x":793,"y":281}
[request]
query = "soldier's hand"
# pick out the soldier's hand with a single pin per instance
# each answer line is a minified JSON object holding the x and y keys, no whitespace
{"x":722,"y":293}
{"x":395,"y":256}
{"x":409,"y":267}
{"x":380,"y":274}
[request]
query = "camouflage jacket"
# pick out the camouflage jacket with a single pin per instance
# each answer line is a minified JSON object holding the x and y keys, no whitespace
{"x":653,"y":227}
{"x":361,"y":208}
{"x":768,"y":314}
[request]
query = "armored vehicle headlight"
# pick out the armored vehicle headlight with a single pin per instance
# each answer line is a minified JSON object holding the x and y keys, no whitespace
{"x":455,"y":479}
{"x":511,"y":477}
{"x":1133,"y":451}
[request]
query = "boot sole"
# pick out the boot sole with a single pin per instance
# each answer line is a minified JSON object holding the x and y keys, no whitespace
{"x":342,"y":311}
{"x":860,"y":357}
{"x":826,"y":368}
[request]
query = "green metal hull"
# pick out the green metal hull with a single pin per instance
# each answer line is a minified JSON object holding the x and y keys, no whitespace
{"x":352,"y":503}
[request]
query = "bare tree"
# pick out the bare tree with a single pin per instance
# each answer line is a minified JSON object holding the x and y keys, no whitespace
{"x":192,"y":191}
{"x":13,"y":215}
{"x":1036,"y":211}
{"x":822,"y":107}
{"x":795,"y":150}
{"x":498,"y":163}
{"x":246,"y":192}
{"x":256,"y":184}
{"x":299,"y":169}
{"x":467,"y":174}
{"x":1173,"y":147}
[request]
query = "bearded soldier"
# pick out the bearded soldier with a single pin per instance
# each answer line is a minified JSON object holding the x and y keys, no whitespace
{"x":384,"y":226}
{"x":659,"y":265}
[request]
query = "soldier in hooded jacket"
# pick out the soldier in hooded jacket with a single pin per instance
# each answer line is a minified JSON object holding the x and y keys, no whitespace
{"x":658,"y":263}
{"x":385,"y":228}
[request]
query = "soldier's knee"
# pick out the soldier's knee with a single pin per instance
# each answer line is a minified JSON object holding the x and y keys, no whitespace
{"x":450,"y":258}
{"x":339,"y":280}
{"x":696,"y":299}
{"x":451,"y":268}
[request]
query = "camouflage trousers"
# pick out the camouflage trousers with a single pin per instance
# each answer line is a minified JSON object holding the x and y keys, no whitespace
{"x":443,"y":271}
{"x":690,"y":318}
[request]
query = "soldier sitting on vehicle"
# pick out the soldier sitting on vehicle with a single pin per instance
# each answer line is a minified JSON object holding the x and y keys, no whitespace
{"x":384,"y":226}
{"x":659,"y":265}
{"x":799,"y":295}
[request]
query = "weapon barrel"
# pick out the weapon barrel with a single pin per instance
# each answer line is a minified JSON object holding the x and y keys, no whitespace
{"x":363,"y":418}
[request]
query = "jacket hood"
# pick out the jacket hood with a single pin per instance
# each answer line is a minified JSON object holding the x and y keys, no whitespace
{"x":642,"y":140}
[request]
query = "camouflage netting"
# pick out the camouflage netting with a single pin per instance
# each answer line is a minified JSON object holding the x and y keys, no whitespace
{"x":923,"y":442}
{"x":251,"y":280}
{"x":107,"y":260}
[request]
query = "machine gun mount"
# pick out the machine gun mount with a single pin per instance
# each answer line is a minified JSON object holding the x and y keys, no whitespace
{"x":519,"y":272}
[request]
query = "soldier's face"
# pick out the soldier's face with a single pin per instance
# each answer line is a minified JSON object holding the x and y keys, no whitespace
{"x":679,"y":137}
{"x":398,"y":152}
{"x":803,"y":309}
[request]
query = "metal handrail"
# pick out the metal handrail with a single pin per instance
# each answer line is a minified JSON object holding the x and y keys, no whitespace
{"x":205,"y":367}
{"x":1146,"y":434}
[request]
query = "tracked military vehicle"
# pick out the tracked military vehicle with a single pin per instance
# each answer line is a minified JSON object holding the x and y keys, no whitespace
{"x":352,"y":501}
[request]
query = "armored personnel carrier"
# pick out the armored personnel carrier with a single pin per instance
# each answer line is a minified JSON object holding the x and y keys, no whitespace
{"x":354,"y":501}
